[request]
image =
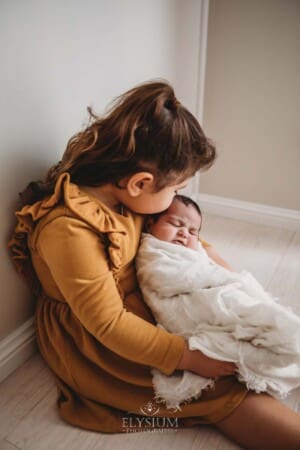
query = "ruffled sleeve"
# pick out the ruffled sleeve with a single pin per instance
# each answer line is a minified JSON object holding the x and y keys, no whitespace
{"x":27,"y":218}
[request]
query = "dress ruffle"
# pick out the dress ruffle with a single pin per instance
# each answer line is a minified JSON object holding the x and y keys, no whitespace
{"x":93,"y":212}
{"x":18,"y":244}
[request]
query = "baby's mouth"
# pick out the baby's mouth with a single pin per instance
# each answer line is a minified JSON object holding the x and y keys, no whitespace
{"x":178,"y":242}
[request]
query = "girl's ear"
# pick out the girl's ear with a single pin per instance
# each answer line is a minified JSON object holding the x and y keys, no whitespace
{"x":140,"y":182}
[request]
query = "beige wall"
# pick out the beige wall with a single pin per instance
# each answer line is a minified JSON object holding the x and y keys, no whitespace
{"x":252,"y":101}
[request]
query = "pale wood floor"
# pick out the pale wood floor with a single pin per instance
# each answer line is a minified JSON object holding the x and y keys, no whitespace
{"x":28,"y":417}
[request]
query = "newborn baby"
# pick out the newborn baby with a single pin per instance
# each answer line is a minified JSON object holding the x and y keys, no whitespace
{"x":226,"y":315}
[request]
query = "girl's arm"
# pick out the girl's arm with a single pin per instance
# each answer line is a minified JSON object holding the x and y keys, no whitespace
{"x":213,"y":254}
{"x":197,"y":362}
{"x":77,"y":261}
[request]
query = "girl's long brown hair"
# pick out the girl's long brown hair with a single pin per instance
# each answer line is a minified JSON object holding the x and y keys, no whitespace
{"x":146,"y":128}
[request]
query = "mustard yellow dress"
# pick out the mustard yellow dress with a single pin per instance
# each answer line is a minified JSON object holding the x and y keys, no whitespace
{"x":93,"y":329}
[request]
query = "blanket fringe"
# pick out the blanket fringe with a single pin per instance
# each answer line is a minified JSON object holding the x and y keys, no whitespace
{"x":174,"y":403}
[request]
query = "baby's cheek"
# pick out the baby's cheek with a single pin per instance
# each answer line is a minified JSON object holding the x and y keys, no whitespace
{"x":193,"y":243}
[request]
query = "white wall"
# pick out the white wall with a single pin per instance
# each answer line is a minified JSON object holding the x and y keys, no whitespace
{"x":252,"y":101}
{"x":58,"y":57}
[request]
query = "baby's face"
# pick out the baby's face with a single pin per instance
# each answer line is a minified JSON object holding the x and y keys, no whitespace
{"x":180,"y":224}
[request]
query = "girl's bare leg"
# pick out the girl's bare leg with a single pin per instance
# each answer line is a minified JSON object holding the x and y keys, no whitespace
{"x":262,"y":422}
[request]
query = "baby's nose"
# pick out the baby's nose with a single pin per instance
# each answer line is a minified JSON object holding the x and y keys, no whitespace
{"x":183,"y":232}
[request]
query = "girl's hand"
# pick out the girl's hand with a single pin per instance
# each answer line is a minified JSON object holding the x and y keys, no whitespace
{"x":197,"y":362}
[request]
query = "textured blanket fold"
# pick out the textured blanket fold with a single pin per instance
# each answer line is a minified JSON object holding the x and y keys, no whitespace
{"x":226,"y":315}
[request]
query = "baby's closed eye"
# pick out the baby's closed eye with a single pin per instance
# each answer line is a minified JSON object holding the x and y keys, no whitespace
{"x":174,"y":223}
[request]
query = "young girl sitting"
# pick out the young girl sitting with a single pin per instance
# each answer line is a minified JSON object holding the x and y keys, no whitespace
{"x":75,"y":241}
{"x":226,"y":315}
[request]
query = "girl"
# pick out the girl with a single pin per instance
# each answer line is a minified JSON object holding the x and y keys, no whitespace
{"x":75,"y":242}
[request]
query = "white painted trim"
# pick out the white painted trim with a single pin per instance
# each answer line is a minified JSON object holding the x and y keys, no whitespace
{"x":249,"y":212}
{"x":204,"y":13}
{"x":203,"y":24}
{"x":16,"y":348}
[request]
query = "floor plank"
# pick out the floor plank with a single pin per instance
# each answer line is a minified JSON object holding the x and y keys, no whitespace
{"x":176,"y":440}
{"x":43,"y":429}
{"x":211,"y":439}
{"x":255,"y":248}
{"x":20,"y":392}
{"x":285,"y":283}
{"x":5,"y":445}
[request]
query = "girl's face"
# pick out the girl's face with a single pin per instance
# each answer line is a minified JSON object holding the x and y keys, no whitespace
{"x":180,"y":224}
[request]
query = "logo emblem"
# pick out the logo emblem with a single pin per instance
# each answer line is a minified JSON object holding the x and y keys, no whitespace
{"x":149,"y":409}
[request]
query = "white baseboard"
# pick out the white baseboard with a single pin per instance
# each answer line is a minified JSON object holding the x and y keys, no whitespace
{"x":16,"y":348}
{"x":249,"y":212}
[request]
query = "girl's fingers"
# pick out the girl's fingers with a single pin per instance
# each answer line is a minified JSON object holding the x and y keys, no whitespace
{"x":231,"y":368}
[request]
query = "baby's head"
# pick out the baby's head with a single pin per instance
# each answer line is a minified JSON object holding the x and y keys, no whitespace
{"x":179,"y":224}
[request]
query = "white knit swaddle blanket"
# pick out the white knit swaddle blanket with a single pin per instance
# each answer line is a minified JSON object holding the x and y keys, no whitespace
{"x":226,"y":315}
